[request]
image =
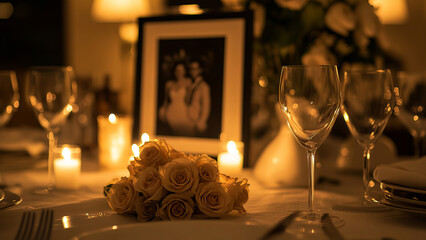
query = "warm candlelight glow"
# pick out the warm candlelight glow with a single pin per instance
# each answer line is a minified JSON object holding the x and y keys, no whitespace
{"x":232,"y":147}
{"x":135,"y":150}
{"x":67,"y":167}
{"x":231,"y":161}
{"x":66,"y":153}
{"x":114,"y":137}
{"x":144,"y":138}
{"x":112,"y":118}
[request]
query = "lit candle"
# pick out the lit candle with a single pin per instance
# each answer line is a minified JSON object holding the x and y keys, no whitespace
{"x":114,"y":138}
{"x":231,"y":162}
{"x":67,"y":168}
{"x":144,"y":138}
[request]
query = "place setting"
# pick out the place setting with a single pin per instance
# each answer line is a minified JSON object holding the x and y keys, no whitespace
{"x":255,"y":119}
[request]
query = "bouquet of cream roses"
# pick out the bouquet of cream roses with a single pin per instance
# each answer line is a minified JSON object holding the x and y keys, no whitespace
{"x":171,"y":185}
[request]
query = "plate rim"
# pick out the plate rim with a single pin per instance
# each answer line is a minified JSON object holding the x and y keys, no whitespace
{"x":209,"y":221}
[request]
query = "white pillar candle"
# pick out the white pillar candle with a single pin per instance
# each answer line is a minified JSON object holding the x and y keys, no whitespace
{"x":231,"y":161}
{"x":67,"y":167}
{"x":114,"y":138}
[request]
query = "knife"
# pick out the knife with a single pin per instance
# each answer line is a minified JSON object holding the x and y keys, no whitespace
{"x":329,"y":228}
{"x":281,"y":226}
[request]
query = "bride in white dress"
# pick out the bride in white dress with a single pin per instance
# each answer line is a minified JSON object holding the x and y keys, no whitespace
{"x":174,"y":110}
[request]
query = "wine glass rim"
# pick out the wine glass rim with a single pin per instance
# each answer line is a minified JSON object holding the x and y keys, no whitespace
{"x":310,"y":66}
{"x":50,"y":68}
{"x":368,"y":70}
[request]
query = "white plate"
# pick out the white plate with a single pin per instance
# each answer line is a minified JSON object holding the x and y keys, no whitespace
{"x":192,"y":229}
{"x":10,"y":199}
{"x":395,"y":193}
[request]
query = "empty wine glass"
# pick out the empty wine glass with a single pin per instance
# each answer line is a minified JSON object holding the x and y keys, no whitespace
{"x":9,"y":103}
{"x":51,"y":91}
{"x":367,"y":104}
{"x":411,"y":104}
{"x":310,"y":99}
{"x":9,"y":96}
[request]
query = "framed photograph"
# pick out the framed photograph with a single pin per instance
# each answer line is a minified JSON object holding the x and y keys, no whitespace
{"x":193,"y":80}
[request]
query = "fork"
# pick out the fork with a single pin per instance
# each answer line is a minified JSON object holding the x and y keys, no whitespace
{"x":26,"y":226}
{"x":25,"y":230}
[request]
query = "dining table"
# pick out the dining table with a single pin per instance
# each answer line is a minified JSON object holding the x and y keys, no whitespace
{"x":79,"y":212}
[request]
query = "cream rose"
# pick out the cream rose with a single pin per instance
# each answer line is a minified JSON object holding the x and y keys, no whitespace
{"x":340,"y":18}
{"x":134,"y":168}
{"x":291,"y":4}
{"x":213,"y":200}
{"x":207,"y":168}
{"x":148,"y":182}
{"x":176,"y":207}
{"x":180,"y":176}
{"x":145,"y":209}
{"x":121,"y":197}
{"x":240,"y":192}
{"x":152,"y":154}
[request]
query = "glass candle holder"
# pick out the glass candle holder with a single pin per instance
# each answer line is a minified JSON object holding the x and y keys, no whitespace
{"x":67,"y":167}
{"x":230,"y":159}
{"x":114,"y":138}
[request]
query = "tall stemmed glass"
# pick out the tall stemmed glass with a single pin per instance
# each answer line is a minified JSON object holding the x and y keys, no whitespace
{"x":51,"y":91}
{"x":367,"y":104}
{"x":411,"y":106}
{"x":9,"y":103}
{"x":310,"y":99}
{"x":9,"y":96}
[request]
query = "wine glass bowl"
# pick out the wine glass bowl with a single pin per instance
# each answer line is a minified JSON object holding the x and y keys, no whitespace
{"x":367,"y":104}
{"x":310,"y":100}
{"x":9,"y":96}
{"x":411,"y":106}
{"x":51,"y":91}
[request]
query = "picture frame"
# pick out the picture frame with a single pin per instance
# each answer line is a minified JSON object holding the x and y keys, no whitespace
{"x":169,"y":97}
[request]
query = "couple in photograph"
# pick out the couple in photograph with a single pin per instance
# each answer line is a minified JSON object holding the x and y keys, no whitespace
{"x":186,"y":107}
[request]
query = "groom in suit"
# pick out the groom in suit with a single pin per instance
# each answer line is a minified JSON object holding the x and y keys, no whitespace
{"x":199,"y":98}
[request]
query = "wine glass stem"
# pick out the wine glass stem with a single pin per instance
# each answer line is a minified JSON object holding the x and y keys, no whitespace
{"x":366,"y":168}
{"x":52,"y":145}
{"x":311,"y":184}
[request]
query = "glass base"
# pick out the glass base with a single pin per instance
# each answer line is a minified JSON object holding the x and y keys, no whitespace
{"x":360,"y":205}
{"x":308,"y":225}
{"x":43,"y":190}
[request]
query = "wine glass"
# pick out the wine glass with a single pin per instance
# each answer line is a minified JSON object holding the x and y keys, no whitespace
{"x":310,"y":99}
{"x":367,"y":104}
{"x":9,"y":103}
{"x":9,"y":96}
{"x":411,"y":106}
{"x":51,"y":91}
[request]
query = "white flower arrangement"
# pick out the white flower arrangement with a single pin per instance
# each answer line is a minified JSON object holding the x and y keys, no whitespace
{"x":170,"y":185}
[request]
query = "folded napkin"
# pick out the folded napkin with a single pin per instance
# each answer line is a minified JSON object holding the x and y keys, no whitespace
{"x":411,"y":174}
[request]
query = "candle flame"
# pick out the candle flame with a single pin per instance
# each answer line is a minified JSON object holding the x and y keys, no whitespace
{"x":232,"y":147}
{"x":66,"y":153}
{"x":112,"y":118}
{"x":144,"y":138}
{"x":135,"y":150}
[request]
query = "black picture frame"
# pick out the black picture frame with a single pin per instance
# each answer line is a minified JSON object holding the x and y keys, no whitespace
{"x":164,"y":40}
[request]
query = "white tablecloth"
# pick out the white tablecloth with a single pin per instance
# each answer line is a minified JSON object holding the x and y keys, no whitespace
{"x":87,"y":209}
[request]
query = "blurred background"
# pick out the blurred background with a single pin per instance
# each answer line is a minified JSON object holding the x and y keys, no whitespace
{"x":101,"y":49}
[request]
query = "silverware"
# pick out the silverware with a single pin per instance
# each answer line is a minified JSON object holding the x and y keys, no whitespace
{"x":281,"y":226}
{"x":44,"y":229}
{"x":329,"y":228}
{"x":45,"y":225}
{"x":26,"y":226}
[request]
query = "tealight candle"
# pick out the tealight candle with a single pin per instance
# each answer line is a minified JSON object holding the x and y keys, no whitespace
{"x":231,"y":161}
{"x":114,"y":138}
{"x":67,"y":167}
